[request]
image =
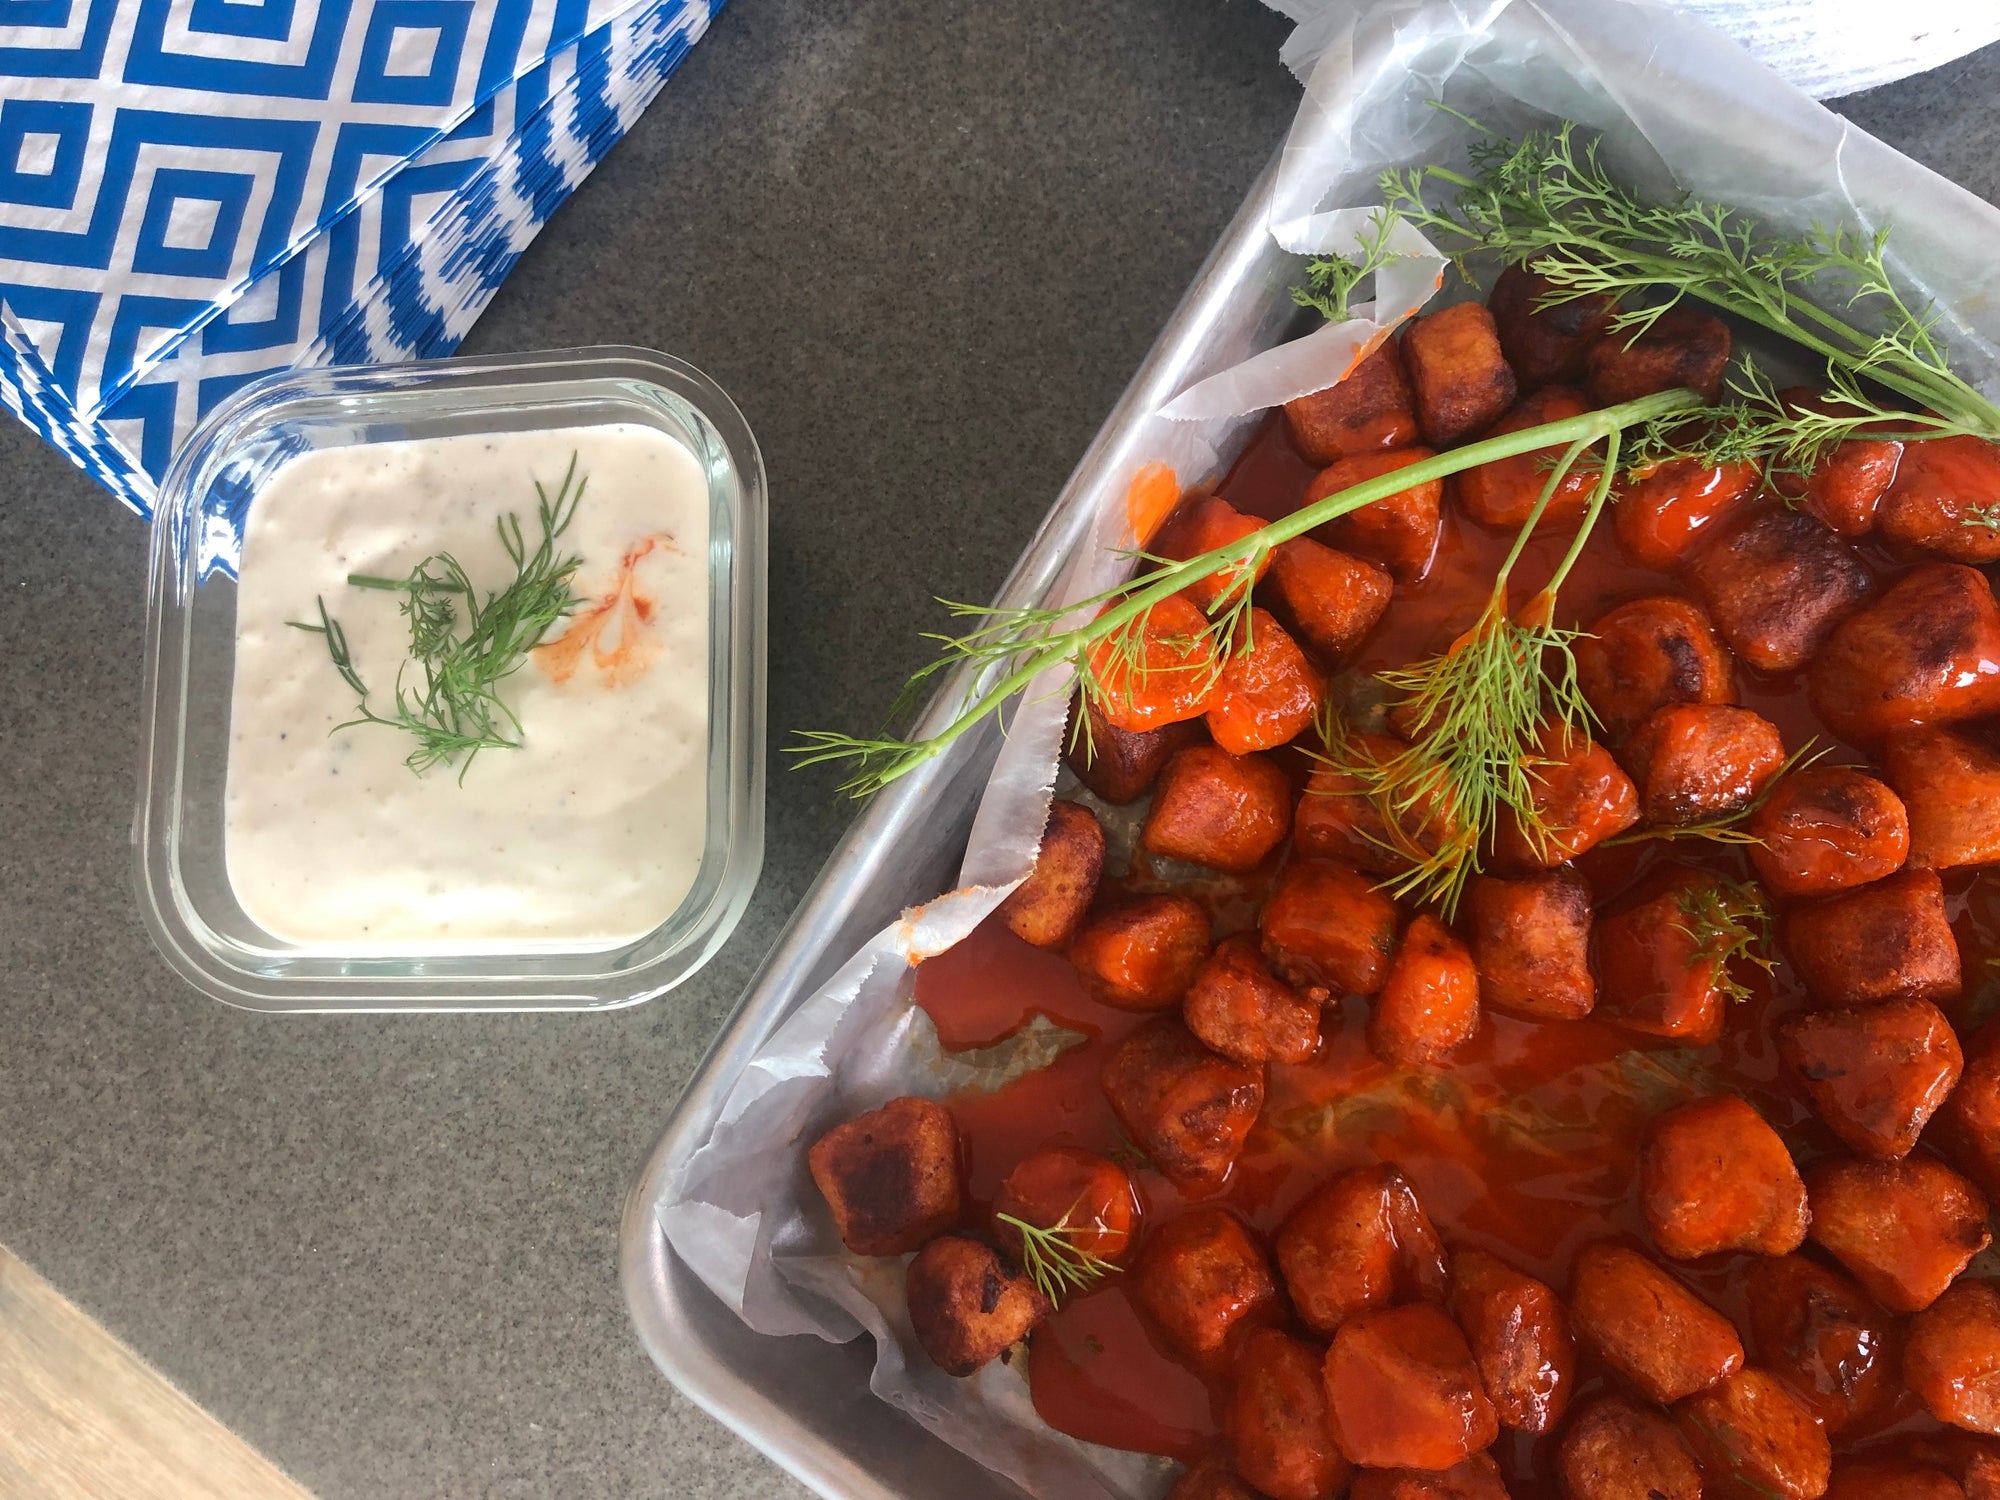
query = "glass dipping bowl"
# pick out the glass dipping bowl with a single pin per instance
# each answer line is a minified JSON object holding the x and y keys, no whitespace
{"x":184,"y":890}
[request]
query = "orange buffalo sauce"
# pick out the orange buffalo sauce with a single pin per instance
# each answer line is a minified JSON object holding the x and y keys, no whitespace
{"x":1525,"y":1144}
{"x":616,"y":628}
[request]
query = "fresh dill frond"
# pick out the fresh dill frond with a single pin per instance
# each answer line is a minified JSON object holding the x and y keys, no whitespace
{"x":1103,"y":640}
{"x":1053,"y":1259}
{"x":1726,"y":920}
{"x":1985,"y":517}
{"x":1547,"y":202}
{"x":1420,"y":831}
{"x":1482,"y":708}
{"x":1331,"y":279}
{"x":454,"y":708}
{"x":1480,"y":714}
{"x":1727,"y":828}
{"x":1755,"y":426}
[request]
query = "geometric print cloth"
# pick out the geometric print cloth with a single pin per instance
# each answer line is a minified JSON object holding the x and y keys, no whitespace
{"x":195,"y":193}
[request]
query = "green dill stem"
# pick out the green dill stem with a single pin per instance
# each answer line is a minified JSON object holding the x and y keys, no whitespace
{"x":1599,"y":494}
{"x":1556,"y":476}
{"x":1727,"y":827}
{"x":1585,"y":429}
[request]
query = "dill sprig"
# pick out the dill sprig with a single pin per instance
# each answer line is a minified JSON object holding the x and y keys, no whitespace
{"x":1753,"y":425}
{"x":1331,"y":279}
{"x":1725,"y":920}
{"x":1481,"y":712}
{"x":1103,"y":639}
{"x":1053,"y":1259}
{"x":456,"y":708}
{"x":1727,"y":828}
{"x":1546,"y":202}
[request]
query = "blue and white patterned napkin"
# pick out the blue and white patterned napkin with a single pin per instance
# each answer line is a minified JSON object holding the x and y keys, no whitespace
{"x":194,"y":193}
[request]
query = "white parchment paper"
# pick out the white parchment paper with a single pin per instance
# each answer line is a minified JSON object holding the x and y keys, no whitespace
{"x":1678,"y":105}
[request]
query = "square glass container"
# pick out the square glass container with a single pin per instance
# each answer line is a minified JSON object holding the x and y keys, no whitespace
{"x":184,"y":890}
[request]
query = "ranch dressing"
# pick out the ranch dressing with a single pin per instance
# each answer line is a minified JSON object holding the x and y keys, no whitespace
{"x":588,"y":835}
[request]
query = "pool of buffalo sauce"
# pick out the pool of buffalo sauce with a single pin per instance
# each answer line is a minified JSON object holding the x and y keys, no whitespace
{"x":1524,"y":1144}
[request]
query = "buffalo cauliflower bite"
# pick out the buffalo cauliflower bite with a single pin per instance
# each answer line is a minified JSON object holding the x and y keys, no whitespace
{"x":1267,"y":694}
{"x":1329,"y":599}
{"x":1886,"y":941}
{"x":1927,"y":651}
{"x":1090,"y":1198}
{"x":1714,"y":1176}
{"x":1668,"y":510}
{"x":1757,"y":1433}
{"x":1205,"y":524}
{"x":1544,"y":343}
{"x":1647,"y":1327}
{"x":1845,"y":488}
{"x":1047,"y":907}
{"x":1967,"y":1128}
{"x":1952,"y":1360}
{"x":1776,"y":583}
{"x":1403,"y":1393}
{"x":892,"y":1177}
{"x":1120,"y":765}
{"x":1370,"y":410}
{"x":1276,"y":1420}
{"x":1531,"y":945}
{"x":1238,"y":1007}
{"x":1337,"y":817}
{"x":1186,"y":1107}
{"x":1973,"y":1461}
{"x":1141,"y":952}
{"x":1205,"y":1282}
{"x":1400,"y":532}
{"x":1461,"y":380}
{"x":1327,"y":926}
{"x":1818,"y":1329}
{"x":1950,"y":785}
{"x":1647,"y":655}
{"x":1680,"y":347}
{"x":1826,"y":828}
{"x":1504,"y":492}
{"x":1616,"y":1449}
{"x":1657,"y":977}
{"x":1428,"y":1007}
{"x":1520,"y":1339}
{"x":1579,"y":798}
{"x":1217,"y":809}
{"x":1904,"y":1228}
{"x":967,"y":1305}
{"x":1875,"y":1073}
{"x":1944,"y":497}
{"x":1695,"y":761}
{"x":1358,"y":1241}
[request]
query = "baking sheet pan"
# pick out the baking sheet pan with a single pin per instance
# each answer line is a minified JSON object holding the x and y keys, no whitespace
{"x":1669,"y":95}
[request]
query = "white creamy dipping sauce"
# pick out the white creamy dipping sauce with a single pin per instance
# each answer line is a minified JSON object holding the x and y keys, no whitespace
{"x":589,"y":834}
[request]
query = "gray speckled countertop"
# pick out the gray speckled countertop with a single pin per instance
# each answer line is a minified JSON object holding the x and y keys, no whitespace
{"x":923,"y":245}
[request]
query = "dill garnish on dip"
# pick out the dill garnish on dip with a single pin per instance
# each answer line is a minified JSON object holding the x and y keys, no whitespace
{"x":470,"y":702}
